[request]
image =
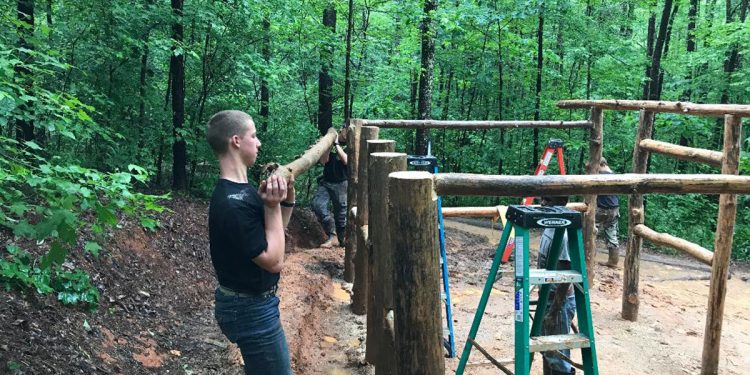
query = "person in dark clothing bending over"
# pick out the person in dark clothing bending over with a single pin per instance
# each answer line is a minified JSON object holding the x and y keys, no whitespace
{"x":607,"y":218}
{"x":246,"y":236}
{"x":561,"y":303}
{"x":332,"y":187}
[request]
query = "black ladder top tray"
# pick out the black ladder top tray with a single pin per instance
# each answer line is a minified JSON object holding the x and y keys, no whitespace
{"x":544,"y":217}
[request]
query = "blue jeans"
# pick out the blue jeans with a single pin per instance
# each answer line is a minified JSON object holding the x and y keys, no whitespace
{"x":253,"y":323}
{"x":559,"y":324}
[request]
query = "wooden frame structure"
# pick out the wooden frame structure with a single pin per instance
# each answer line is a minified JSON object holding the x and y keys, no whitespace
{"x":413,"y":338}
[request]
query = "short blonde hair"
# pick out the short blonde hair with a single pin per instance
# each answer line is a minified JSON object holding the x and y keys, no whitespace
{"x":223,"y":125}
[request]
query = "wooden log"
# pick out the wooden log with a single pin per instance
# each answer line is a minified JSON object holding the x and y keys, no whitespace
{"x":682,"y":152}
{"x":416,"y":274}
{"x":631,"y":273}
{"x":359,"y":290}
{"x":350,"y":247}
{"x":596,"y":141}
{"x":476,"y":125}
{"x":494,"y":212}
{"x":307,"y":160}
{"x":520,"y":186}
{"x":687,"y":108}
{"x":373,"y":335}
{"x":722,"y":249}
{"x":381,"y":164}
{"x":697,"y":251}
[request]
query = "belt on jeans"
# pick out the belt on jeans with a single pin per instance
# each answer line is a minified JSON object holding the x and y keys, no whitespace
{"x":229,"y":292}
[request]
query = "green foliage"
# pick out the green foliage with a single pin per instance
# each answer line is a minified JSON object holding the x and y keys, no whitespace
{"x":46,"y":199}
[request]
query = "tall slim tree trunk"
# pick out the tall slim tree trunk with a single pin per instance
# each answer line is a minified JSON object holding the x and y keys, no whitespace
{"x":266,"y":52}
{"x":25,"y":11}
{"x":177,"y":67}
{"x":427,"y":29}
{"x":325,"y":82}
{"x":142,"y":90}
{"x":649,"y":52}
{"x":692,"y":15}
{"x":348,"y":63}
{"x":655,"y":71}
{"x":539,"y":66}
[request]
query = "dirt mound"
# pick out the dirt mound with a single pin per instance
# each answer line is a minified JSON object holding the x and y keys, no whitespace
{"x":156,"y":309}
{"x":304,"y":230}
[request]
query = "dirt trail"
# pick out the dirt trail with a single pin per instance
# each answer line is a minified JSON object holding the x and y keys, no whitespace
{"x":156,"y":314}
{"x":667,"y":339}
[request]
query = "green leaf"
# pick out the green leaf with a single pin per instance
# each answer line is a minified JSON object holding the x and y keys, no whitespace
{"x":55,"y":255}
{"x":92,"y":247}
{"x":32,"y":145}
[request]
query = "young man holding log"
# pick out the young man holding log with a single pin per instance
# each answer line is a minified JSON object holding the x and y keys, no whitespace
{"x":246,"y":235}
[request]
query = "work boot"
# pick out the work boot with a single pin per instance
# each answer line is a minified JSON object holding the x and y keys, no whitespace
{"x":329,"y":242}
{"x":341,"y":235}
{"x":614,"y":257}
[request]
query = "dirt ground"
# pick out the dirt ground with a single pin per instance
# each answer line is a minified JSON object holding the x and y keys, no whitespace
{"x":666,"y":339}
{"x":156,"y":312}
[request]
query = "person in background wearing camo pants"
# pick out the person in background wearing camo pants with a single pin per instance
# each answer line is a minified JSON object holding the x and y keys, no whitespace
{"x":332,"y":187}
{"x":607,"y":218}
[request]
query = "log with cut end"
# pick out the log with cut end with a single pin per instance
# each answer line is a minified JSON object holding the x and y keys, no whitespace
{"x":698,"y":252}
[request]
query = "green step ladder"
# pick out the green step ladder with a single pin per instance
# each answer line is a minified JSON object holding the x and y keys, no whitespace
{"x":527,"y":334}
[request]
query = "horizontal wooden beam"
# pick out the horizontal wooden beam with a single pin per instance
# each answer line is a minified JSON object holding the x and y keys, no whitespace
{"x":687,"y":108}
{"x":521,"y":186}
{"x":424,"y":124}
{"x":495,"y":211}
{"x":682,"y":152}
{"x":698,"y":252}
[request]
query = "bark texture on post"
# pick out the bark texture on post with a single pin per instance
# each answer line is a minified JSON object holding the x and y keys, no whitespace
{"x":360,"y":289}
{"x":636,"y":216}
{"x":373,"y":338}
{"x":626,"y":183}
{"x":381,"y":165}
{"x":696,"y":251}
{"x":589,"y":217}
{"x":350,"y":247}
{"x":722,"y":250}
{"x":416,"y":274}
{"x":686,"y":108}
{"x":697,"y":155}
{"x":475,"y":125}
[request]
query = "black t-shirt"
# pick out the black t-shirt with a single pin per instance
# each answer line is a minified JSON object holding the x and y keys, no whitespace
{"x":607,"y":201}
{"x":236,"y":227}
{"x":335,"y":170}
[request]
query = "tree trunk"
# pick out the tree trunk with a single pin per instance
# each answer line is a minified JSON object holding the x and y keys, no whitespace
{"x":264,"y":91}
{"x":427,"y":28}
{"x":25,"y":11}
{"x":177,"y":68}
{"x":539,"y":65}
{"x":348,"y":63}
{"x":142,"y":90}
{"x":649,"y":51}
{"x":325,"y":82}
{"x":653,"y":77}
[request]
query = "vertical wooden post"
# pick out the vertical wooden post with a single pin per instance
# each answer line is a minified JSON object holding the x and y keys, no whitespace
{"x":350,"y":247}
{"x":722,"y":249}
{"x":416,"y":274}
{"x":374,"y":146}
{"x":381,"y":164}
{"x":589,"y":217}
{"x":636,"y":215}
{"x":360,"y":292}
